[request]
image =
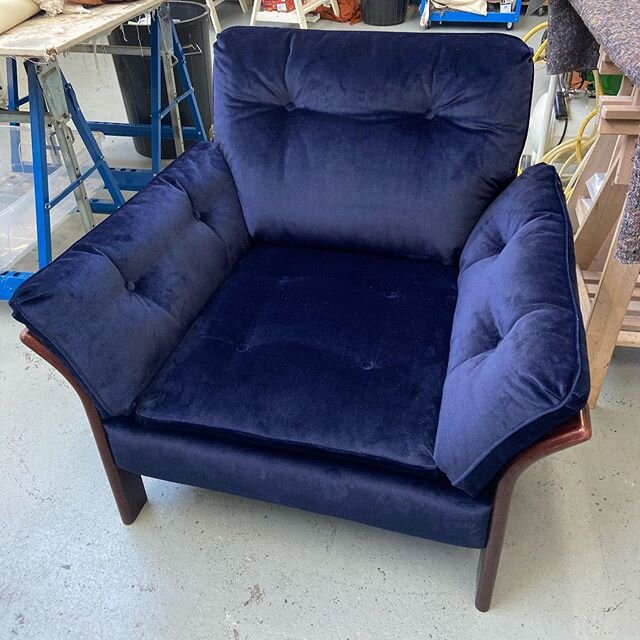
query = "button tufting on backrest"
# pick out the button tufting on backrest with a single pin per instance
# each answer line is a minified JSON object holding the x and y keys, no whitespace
{"x":197,"y":215}
{"x":351,"y":126}
{"x":131,"y":286}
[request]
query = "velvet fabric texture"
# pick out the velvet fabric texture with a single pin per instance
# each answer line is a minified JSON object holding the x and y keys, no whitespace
{"x":117,"y":303}
{"x":428,"y":507}
{"x":309,"y":311}
{"x":300,"y":348}
{"x":393,"y":143}
{"x":518,"y":352}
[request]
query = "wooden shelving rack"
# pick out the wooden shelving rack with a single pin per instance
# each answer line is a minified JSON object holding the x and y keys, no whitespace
{"x":609,"y":290}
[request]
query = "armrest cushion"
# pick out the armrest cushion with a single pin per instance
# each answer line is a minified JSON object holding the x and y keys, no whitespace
{"x":115,"y":305}
{"x":518,"y":365}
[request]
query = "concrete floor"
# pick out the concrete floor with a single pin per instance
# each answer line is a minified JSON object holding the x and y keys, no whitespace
{"x":199,"y":565}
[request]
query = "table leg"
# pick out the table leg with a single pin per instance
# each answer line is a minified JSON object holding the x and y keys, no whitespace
{"x":40,"y":174}
{"x":156,"y":105}
{"x":166,"y":48}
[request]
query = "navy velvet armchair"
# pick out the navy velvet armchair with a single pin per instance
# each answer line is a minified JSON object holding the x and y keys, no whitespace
{"x":348,"y":303}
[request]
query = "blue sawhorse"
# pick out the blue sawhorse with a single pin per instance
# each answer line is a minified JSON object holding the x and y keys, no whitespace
{"x":52,"y":103}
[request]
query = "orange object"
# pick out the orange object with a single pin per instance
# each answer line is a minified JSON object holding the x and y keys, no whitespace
{"x":349,"y":12}
{"x":278,"y":5}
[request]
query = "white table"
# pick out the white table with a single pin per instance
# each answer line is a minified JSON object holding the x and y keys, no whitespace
{"x":45,"y":38}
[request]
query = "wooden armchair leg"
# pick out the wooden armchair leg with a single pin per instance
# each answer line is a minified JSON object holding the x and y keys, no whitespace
{"x":127,"y":487}
{"x":128,"y":491}
{"x":575,"y":430}
{"x":490,"y":555}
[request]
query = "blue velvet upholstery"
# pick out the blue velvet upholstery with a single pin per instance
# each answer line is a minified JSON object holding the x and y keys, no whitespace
{"x":346,"y":297}
{"x":304,"y":348}
{"x":394,"y":143}
{"x":115,"y":305}
{"x":518,"y":353}
{"x":428,"y":507}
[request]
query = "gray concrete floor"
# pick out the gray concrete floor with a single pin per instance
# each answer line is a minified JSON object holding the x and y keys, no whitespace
{"x":199,"y":565}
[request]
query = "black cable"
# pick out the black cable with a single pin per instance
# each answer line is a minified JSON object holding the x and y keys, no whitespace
{"x":561,"y":82}
{"x":564,"y":131}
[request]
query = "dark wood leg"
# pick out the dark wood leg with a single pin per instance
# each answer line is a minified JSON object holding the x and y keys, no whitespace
{"x":490,"y":555}
{"x":127,"y":487}
{"x":577,"y":429}
{"x":129,"y":494}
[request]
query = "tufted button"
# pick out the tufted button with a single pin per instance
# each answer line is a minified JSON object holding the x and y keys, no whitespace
{"x":367,"y":365}
{"x":131,"y":286}
{"x":289,"y":106}
{"x":242,"y":347}
{"x":197,"y":215}
{"x":391,"y":295}
{"x":429,"y":114}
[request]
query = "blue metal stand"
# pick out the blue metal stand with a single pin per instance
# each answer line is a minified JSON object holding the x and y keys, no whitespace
{"x":47,"y":85}
{"x":493,"y":17}
{"x":40,"y":175}
{"x":136,"y":179}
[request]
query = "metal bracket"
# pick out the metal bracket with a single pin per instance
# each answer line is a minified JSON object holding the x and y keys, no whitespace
{"x":50,"y":78}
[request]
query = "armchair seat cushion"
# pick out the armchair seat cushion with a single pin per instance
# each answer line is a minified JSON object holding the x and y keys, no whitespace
{"x":308,"y":349}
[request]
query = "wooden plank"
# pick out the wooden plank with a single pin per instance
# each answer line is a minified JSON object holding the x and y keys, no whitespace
{"x":606,"y":65}
{"x":626,"y":111}
{"x":583,"y":297}
{"x":607,"y":316}
{"x":600,"y":219}
{"x":619,"y":127}
{"x":597,"y":160}
{"x":594,"y":276}
{"x":46,"y":38}
{"x":582,"y":211}
{"x":627,"y":155}
{"x":631,"y":322}
{"x":629,"y":339}
{"x":634,"y":302}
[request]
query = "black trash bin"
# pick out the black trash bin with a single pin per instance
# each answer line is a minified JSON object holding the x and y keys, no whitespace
{"x":384,"y":13}
{"x":134,"y":72}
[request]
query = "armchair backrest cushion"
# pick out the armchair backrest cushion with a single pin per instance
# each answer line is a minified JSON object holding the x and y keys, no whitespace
{"x":116,"y":304}
{"x":392,"y":143}
{"x":518,"y":359}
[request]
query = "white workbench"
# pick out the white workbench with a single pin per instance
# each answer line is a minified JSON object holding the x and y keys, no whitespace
{"x":45,"y":38}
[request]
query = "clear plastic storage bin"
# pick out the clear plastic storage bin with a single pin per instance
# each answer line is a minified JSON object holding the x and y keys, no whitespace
{"x":17,"y":202}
